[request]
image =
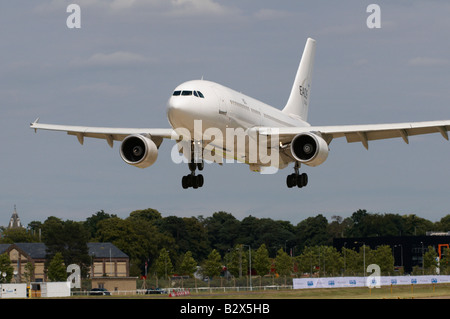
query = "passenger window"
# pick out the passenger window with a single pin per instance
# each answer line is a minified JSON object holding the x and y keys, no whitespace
{"x":186,"y":93}
{"x":176,"y":93}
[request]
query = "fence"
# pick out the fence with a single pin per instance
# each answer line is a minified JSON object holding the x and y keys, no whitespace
{"x":370,"y":281}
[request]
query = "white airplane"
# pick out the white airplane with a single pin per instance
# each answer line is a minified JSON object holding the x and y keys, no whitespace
{"x":197,"y":107}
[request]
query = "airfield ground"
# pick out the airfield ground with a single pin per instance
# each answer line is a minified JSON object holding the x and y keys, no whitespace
{"x":438,"y":291}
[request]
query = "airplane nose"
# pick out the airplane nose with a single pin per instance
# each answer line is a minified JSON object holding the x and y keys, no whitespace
{"x":178,"y":112}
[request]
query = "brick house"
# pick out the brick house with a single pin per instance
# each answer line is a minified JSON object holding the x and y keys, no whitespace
{"x":107,"y":260}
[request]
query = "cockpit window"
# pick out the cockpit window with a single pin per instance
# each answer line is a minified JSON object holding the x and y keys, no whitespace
{"x":189,"y":93}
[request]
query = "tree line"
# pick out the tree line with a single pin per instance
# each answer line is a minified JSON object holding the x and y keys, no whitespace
{"x":177,"y":245}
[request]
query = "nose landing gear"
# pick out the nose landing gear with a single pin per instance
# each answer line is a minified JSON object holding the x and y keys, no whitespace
{"x":192,"y":180}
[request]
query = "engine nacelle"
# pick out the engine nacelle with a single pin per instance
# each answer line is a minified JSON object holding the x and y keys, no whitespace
{"x":139,"y":151}
{"x":309,"y":148}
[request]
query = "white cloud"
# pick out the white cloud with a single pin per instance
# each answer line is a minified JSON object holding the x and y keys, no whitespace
{"x":165,"y":7}
{"x":119,"y":58}
{"x":204,"y":8}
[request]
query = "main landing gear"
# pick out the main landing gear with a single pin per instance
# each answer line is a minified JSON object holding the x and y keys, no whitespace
{"x":192,"y":180}
{"x":296,"y":179}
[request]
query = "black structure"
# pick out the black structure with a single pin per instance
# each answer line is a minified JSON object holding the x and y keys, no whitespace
{"x":407,"y":250}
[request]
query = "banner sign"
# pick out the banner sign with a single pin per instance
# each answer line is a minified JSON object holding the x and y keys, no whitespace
{"x":345,"y":282}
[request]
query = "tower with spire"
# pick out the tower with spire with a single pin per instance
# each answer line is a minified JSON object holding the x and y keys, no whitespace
{"x":14,"y":222}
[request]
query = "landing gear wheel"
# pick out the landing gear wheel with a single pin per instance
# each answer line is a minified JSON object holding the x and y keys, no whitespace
{"x":302,"y":180}
{"x":185,"y":182}
{"x":296,"y":179}
{"x":200,"y":180}
{"x":290,"y":180}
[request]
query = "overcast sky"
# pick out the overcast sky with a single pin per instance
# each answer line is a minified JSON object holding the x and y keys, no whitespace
{"x":121,"y":66}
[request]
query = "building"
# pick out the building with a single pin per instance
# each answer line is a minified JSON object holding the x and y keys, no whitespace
{"x":107,"y":260}
{"x":408,"y":251}
{"x":14,"y":221}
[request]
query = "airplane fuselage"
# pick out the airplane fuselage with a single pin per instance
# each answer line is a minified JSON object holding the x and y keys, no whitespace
{"x":221,"y":108}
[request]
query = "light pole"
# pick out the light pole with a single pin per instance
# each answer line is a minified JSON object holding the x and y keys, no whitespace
{"x":423,"y":261}
{"x":345,"y":243}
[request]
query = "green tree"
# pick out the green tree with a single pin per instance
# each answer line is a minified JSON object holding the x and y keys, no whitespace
{"x":416,"y":226}
{"x":338,"y":227}
{"x":188,"y":234}
{"x":212,"y":266}
{"x":308,"y":261}
{"x":16,"y":235}
{"x":262,"y":261}
{"x":6,"y":268}
{"x":56,"y":270}
{"x":91,"y":223}
{"x":148,"y":214}
{"x":384,"y":259}
{"x":430,"y":260}
{"x":68,"y":238}
{"x":222,"y":229}
{"x":331,"y":261}
{"x":365,"y":257}
{"x":350,"y":259}
{"x":283,"y":264}
{"x":444,"y":265}
{"x":188,"y":265}
{"x":235,"y":261}
{"x":139,"y":238}
{"x":195,"y":239}
{"x":312,"y":232}
{"x":443,"y":224}
{"x":164,"y":266}
{"x":274,"y":234}
{"x":325,"y":260}
{"x":357,"y":224}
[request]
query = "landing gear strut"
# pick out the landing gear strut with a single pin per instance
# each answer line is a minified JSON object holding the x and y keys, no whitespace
{"x":192,"y":180}
{"x":296,"y":179}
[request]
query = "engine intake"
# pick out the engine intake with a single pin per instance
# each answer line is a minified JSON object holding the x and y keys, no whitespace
{"x":139,"y":151}
{"x":309,"y":148}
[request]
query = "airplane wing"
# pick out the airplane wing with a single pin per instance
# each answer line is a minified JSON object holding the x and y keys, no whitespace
{"x":107,"y":133}
{"x":362,"y":133}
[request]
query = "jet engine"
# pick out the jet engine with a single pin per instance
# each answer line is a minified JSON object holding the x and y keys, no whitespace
{"x":139,"y":151}
{"x":309,"y":148}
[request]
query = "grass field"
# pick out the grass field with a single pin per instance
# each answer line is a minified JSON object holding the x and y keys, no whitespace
{"x":398,"y":292}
